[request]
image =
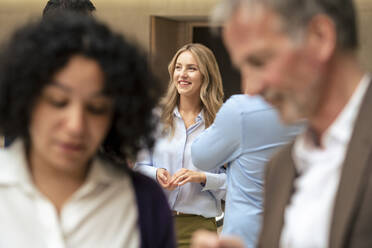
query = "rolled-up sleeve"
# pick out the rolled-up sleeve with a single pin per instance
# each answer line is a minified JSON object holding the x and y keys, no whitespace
{"x":215,"y":181}
{"x":216,"y":184}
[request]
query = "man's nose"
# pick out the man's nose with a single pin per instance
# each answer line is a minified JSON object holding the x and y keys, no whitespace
{"x":272,"y":77}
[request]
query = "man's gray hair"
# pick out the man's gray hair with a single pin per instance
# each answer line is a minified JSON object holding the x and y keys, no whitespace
{"x":297,"y":13}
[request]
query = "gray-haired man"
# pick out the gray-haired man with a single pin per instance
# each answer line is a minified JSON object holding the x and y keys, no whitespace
{"x":300,"y":55}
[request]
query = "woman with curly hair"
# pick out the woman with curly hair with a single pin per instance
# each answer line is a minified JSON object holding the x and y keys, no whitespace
{"x":190,"y":105}
{"x":79,"y":99}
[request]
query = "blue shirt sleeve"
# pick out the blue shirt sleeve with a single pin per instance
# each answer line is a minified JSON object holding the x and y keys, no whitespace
{"x":220,"y":143}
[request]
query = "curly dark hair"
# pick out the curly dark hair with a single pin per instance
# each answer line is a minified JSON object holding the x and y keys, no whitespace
{"x":79,"y":6}
{"x":38,"y":50}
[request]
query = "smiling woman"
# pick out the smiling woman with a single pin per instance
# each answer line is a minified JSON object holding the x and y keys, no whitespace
{"x":78,"y":99}
{"x":193,"y":98}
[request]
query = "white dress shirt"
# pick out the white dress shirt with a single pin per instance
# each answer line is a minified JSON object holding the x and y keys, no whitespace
{"x":174,"y":153}
{"x":102,"y":213}
{"x":308,"y":215}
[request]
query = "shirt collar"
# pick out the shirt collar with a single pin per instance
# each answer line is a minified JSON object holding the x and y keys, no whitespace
{"x":341,"y":129}
{"x":339,"y":132}
{"x":14,"y":168}
{"x":102,"y":172}
{"x":199,"y":118}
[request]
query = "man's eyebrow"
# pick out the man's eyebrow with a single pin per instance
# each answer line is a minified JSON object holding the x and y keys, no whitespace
{"x":258,"y":57}
{"x":263,"y":54}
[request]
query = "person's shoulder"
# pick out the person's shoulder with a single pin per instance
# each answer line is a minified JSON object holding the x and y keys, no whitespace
{"x":4,"y":156}
{"x":229,"y":110}
{"x":156,"y":112}
{"x":246,"y":103}
{"x":279,"y":158}
{"x":233,"y":103}
{"x":235,"y":99}
{"x":15,"y":151}
{"x":12,"y":161}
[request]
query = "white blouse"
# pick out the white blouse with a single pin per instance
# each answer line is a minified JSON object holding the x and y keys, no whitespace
{"x":173,"y":153}
{"x":102,"y":213}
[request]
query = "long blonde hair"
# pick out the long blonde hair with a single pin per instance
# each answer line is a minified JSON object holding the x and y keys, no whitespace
{"x":211,"y":91}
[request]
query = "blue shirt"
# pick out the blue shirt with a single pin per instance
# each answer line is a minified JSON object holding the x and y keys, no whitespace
{"x":245,"y":134}
{"x":173,"y":153}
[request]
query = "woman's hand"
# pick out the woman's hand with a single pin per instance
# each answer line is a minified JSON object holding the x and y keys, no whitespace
{"x":184,"y":176}
{"x":163,"y":177}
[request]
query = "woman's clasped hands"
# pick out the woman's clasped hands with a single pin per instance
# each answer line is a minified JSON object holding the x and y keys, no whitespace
{"x":181,"y":177}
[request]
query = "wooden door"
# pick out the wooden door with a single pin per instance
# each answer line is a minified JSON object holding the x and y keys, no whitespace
{"x":167,"y":36}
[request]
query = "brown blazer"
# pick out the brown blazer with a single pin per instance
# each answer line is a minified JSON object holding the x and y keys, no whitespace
{"x":351,"y":224}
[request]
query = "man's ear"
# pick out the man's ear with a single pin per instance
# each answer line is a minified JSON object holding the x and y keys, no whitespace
{"x":322,"y":37}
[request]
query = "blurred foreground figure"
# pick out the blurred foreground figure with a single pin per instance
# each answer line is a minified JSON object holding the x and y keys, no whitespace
{"x":300,"y":56}
{"x":79,"y":99}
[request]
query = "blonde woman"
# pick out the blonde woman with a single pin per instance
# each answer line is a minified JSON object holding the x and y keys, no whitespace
{"x":190,"y":105}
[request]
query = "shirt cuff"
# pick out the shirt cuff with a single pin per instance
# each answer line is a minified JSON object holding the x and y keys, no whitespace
{"x":146,"y":170}
{"x":214,"y":181}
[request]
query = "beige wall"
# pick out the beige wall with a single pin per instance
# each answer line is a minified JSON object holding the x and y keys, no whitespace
{"x":133,"y":17}
{"x":129,"y":16}
{"x":365,"y":23}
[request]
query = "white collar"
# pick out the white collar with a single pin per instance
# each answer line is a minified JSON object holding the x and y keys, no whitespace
{"x":341,"y":128}
{"x":14,"y":168}
{"x":339,"y":131}
{"x":200,"y":116}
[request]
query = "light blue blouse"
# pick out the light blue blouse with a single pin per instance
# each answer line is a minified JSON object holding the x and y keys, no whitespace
{"x":174,"y":153}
